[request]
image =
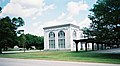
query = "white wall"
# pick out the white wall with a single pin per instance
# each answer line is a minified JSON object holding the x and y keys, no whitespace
{"x":69,"y":43}
{"x":56,"y":30}
{"x":73,"y":45}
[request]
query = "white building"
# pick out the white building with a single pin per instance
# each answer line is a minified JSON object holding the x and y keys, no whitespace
{"x":61,"y":37}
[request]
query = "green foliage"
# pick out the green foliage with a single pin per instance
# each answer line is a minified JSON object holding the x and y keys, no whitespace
{"x":105,"y":19}
{"x":21,"y":40}
{"x":0,"y":9}
{"x":18,"y":22}
{"x":8,"y":31}
{"x":32,"y":40}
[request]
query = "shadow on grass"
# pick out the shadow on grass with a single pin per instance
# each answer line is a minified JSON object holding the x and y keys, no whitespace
{"x":95,"y":55}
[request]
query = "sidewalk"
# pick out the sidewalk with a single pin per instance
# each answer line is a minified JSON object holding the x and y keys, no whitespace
{"x":21,"y":51}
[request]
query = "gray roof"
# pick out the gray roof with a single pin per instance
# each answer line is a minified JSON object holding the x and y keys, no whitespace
{"x":64,"y":25}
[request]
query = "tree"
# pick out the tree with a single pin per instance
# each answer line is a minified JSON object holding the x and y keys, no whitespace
{"x":32,"y":40}
{"x":105,"y":19}
{"x":8,"y":32}
{"x":22,"y":41}
{"x":0,"y":9}
{"x":18,"y":22}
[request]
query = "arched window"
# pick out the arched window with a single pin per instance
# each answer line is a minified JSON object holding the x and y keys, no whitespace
{"x":51,"y":34}
{"x":74,"y":37}
{"x":51,"y":40}
{"x":61,"y":39}
{"x":74,"y":34}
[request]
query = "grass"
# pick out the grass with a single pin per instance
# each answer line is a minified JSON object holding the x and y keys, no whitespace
{"x":67,"y":56}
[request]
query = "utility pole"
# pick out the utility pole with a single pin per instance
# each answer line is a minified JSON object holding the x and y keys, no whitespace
{"x":23,"y":39}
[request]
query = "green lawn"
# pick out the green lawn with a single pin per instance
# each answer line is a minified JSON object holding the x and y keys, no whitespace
{"x":67,"y":56}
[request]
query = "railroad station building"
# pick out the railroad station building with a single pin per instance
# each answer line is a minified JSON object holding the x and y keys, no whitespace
{"x":60,"y":37}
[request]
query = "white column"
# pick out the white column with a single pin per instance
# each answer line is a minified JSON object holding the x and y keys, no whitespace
{"x":56,"y":39}
{"x":71,"y":39}
{"x":46,"y":41}
{"x":67,"y":39}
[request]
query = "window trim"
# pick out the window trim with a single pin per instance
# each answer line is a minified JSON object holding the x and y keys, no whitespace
{"x":61,"y":39}
{"x":51,"y":39}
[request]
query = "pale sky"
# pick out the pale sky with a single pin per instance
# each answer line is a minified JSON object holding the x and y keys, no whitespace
{"x":43,"y":13}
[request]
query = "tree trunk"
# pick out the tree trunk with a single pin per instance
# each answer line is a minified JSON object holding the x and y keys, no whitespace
{"x":117,"y":45}
{"x":76,"y":47}
{"x":101,"y":46}
{"x":86,"y":46}
{"x":105,"y":46}
{"x":0,"y":50}
{"x":97,"y":46}
{"x":92,"y":46}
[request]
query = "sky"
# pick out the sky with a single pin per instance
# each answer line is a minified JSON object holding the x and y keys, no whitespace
{"x":38,"y":14}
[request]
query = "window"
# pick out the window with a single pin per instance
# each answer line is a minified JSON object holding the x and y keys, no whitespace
{"x":51,"y":40}
{"x":51,"y":35}
{"x":51,"y":43}
{"x":74,"y":35}
{"x":61,"y":39}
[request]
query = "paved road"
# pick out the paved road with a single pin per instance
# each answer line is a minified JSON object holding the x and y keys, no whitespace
{"x":23,"y":62}
{"x":112,"y":51}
